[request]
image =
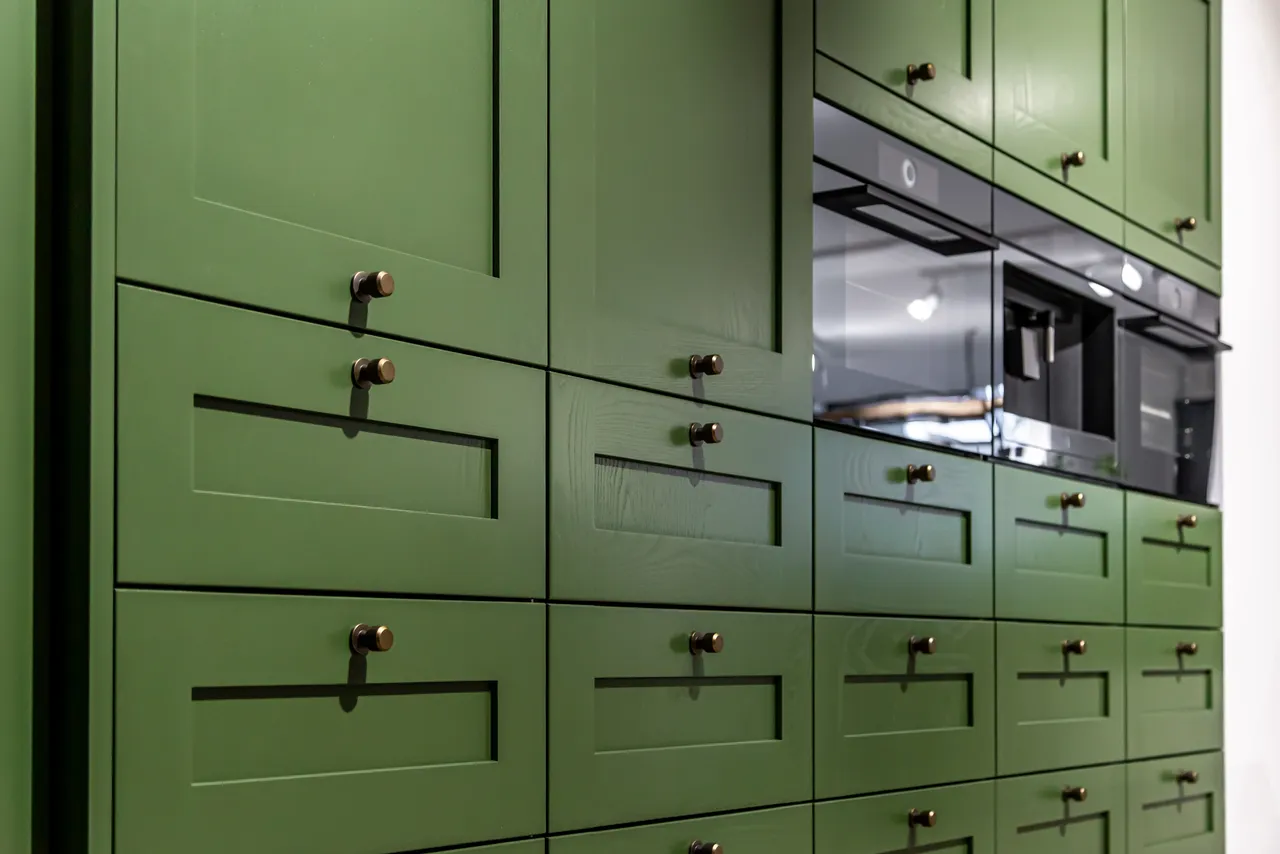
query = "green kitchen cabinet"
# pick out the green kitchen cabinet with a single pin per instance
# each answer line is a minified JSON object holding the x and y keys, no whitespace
{"x":1060,"y":696}
{"x":899,"y":529}
{"x":1174,"y":692}
{"x":681,"y":225}
{"x":1174,"y":559}
{"x":643,"y":510}
{"x":1177,"y":805}
{"x":1173,"y":150}
{"x":899,"y":44}
{"x":1059,"y":549}
{"x":1059,"y":92}
{"x":248,"y":723}
{"x":248,"y":457}
{"x":774,"y":831}
{"x":648,"y":720}
{"x":900,"y":703}
{"x":266,"y":153}
{"x":963,"y":820}
{"x":1081,"y":811}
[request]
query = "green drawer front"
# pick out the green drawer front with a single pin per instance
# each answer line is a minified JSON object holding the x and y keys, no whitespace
{"x":246,"y":458}
{"x":887,"y":717}
{"x":1175,"y":691}
{"x":639,"y":514}
{"x":641,"y":728}
{"x":1058,"y":709}
{"x":963,"y":822}
{"x":788,"y":830}
{"x":245,"y":723}
{"x":1175,"y":566}
{"x":1171,"y":814}
{"x":887,"y":540}
{"x":1056,"y":562}
{"x":1049,"y":814}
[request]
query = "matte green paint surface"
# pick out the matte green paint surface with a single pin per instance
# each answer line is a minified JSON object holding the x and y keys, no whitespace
{"x":1021,"y":180}
{"x":885,"y":718}
{"x":1059,"y":88}
{"x":880,"y":38}
{"x":246,"y":723}
{"x":879,"y":825}
{"x":1175,"y":701}
{"x":1173,"y":817}
{"x":1058,"y":710}
{"x":776,"y":831}
{"x":639,"y":515}
{"x":1174,"y":573}
{"x":1033,"y":817}
{"x":268,"y":152}
{"x":247,"y":458}
{"x":642,"y":729}
{"x":1173,"y":118}
{"x":882,"y":545}
{"x":681,"y":212}
{"x":1054,"y":563}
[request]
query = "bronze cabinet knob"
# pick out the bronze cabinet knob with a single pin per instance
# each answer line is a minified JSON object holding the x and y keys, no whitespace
{"x":922,"y":818}
{"x":1186,"y":648}
{"x":920,"y":73}
{"x":371,"y":372}
{"x":1188,"y":777}
{"x":710,"y":433}
{"x":367,"y":286}
{"x":1072,"y":158}
{"x":1072,"y":499}
{"x":1188,"y":520}
{"x":709,"y":642}
{"x":922,"y":645}
{"x":711,"y":365}
{"x":1075,"y":793}
{"x":1074,"y":647}
{"x":697,"y":846}
{"x":927,"y":473}
{"x":1188,"y":224}
{"x":367,"y":639}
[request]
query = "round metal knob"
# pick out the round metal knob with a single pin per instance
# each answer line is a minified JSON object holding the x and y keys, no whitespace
{"x":922,"y":646}
{"x":367,"y":286}
{"x":1188,"y":521}
{"x":1075,"y":793}
{"x":367,"y":639}
{"x":927,"y":473}
{"x":371,"y":372}
{"x":1186,"y":648}
{"x":920,"y":73}
{"x":1188,"y":777}
{"x":711,"y":365}
{"x":1074,"y":647}
{"x":922,"y":818}
{"x":1072,"y":158}
{"x":710,"y":433}
{"x":1188,"y":224}
{"x":1072,"y":499}
{"x":699,"y":847}
{"x":709,"y":642}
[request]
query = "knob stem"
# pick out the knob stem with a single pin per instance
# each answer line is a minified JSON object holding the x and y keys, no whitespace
{"x":366,"y":373}
{"x":1075,"y":793}
{"x":922,"y":818}
{"x":708,"y":642}
{"x":923,"y":72}
{"x":1074,"y":647}
{"x":926,"y":473}
{"x":369,"y":286}
{"x":1072,"y":499}
{"x":366,"y":639}
{"x":711,"y":433}
{"x":922,"y":645}
{"x":711,"y":365}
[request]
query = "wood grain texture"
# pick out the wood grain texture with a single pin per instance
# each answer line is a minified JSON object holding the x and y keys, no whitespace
{"x":1174,"y":572}
{"x":1175,"y":700}
{"x":878,"y":825}
{"x":1033,"y":818}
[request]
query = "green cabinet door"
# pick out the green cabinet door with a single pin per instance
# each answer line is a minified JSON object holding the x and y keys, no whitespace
{"x":1060,"y":694}
{"x":1066,"y":812}
{"x":882,"y":39}
{"x":247,"y":723}
{"x":640,"y":513}
{"x":1174,"y":560}
{"x":246,"y":457}
{"x":646,"y":721}
{"x":681,"y":225}
{"x":1059,"y":556}
{"x":1173,"y":168}
{"x":901,"y":703}
{"x":788,"y":830}
{"x":1177,"y":805}
{"x":900,"y":529}
{"x":269,"y":151}
{"x":963,"y":822}
{"x":1175,"y":691}
{"x":1059,"y":91}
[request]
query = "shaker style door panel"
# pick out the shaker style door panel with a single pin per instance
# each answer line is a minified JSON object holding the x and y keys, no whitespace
{"x":1059,"y":549}
{"x":250,"y":723}
{"x":664,"y":713}
{"x":899,"y":529}
{"x":682,"y":146}
{"x":788,"y":830}
{"x":1059,"y":92}
{"x":248,"y":457}
{"x":1060,"y":691}
{"x":1174,"y":559}
{"x":1177,"y":805}
{"x":962,"y":822}
{"x":937,"y":54}
{"x":1067,"y":812}
{"x":902,"y":703}
{"x":660,"y":500}
{"x":267,"y":152}
{"x":1173,"y":169}
{"x":1175,"y":691}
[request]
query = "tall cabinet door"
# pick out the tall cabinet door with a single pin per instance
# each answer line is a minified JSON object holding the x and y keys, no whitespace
{"x":1059,"y":84}
{"x":268,"y":152}
{"x":681,"y":226}
{"x":1173,"y":168}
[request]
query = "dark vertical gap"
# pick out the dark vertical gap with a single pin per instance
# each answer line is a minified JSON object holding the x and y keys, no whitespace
{"x":495,"y":141}
{"x":968,"y":38}
{"x":546,"y":594}
{"x":779,"y":166}
{"x":1107,"y":72}
{"x":493,"y":721}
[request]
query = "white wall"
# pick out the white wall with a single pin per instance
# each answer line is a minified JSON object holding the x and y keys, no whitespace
{"x":1250,"y":437}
